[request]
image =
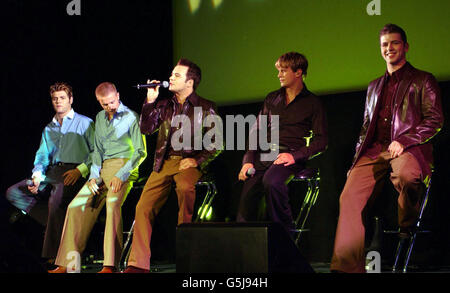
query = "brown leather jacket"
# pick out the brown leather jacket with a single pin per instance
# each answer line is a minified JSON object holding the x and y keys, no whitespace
{"x":416,"y":116}
{"x":158,"y":116}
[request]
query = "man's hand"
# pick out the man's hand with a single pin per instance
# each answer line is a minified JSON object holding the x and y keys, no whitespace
{"x":71,"y":176}
{"x":153,"y":92}
{"x":284,"y":159}
{"x":35,"y":188}
{"x":93,"y":187}
{"x":396,"y":149}
{"x":116,"y":184}
{"x":243,"y":173}
{"x":187,"y":163}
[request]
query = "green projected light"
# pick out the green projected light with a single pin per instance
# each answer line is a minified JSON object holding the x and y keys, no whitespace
{"x":194,"y":5}
{"x":236,"y":42}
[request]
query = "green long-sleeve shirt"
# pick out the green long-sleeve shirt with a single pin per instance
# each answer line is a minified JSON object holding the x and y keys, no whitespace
{"x":119,"y":137}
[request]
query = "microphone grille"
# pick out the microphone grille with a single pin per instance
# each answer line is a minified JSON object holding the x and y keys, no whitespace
{"x":165,"y":84}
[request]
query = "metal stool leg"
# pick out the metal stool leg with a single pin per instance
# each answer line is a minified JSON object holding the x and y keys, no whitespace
{"x":126,"y":249}
{"x":413,"y":237}
{"x":304,"y":204}
{"x":207,"y":200}
{"x":209,"y":203}
{"x":310,"y":200}
{"x":419,"y":222}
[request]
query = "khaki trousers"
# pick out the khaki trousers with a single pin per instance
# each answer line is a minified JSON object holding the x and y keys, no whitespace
{"x":82,"y":214}
{"x":363,"y":182}
{"x":153,"y":197}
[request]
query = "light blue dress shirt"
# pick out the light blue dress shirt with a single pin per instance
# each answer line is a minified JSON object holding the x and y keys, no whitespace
{"x":117,"y":138}
{"x":71,"y":142}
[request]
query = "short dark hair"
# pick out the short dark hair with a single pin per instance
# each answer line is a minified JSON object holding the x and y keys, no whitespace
{"x":61,"y":86}
{"x":194,"y":72}
{"x":392,"y":29}
{"x":295,"y":61}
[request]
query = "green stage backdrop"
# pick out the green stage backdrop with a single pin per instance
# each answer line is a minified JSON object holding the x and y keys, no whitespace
{"x":236,"y":42}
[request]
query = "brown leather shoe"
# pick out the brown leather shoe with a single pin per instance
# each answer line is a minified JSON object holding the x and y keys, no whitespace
{"x":108,"y":270}
{"x":135,"y":270}
{"x":58,"y":270}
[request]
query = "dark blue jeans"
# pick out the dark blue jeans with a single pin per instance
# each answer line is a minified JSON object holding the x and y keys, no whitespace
{"x":49,"y":205}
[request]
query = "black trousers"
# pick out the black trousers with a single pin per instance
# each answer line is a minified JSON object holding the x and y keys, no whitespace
{"x":270,"y":181}
{"x":48,"y":206}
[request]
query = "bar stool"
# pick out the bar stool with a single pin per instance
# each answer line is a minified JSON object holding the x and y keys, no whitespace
{"x":205,"y":208}
{"x":312,"y":177}
{"x":412,"y":238}
{"x":203,"y":212}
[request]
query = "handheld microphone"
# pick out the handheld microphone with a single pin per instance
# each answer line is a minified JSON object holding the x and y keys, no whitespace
{"x":250,"y":172}
{"x":29,"y":182}
{"x":164,"y":84}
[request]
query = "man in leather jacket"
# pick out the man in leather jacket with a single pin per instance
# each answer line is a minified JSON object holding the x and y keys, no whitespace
{"x":184,"y":165}
{"x":402,"y":113}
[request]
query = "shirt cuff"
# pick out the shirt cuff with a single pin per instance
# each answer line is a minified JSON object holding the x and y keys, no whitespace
{"x":123,"y":175}
{"x":83,"y":169}
{"x":38,"y":175}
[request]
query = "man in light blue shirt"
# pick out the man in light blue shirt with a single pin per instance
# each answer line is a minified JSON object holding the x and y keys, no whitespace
{"x":119,"y":149}
{"x":61,"y":167}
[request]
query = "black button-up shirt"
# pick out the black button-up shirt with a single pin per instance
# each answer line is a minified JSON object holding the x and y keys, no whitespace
{"x":303,"y":119}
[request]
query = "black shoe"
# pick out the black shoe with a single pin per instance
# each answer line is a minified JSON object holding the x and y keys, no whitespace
{"x":49,"y":264}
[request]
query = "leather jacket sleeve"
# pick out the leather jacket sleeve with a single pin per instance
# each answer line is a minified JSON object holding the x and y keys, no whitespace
{"x":432,"y":118}
{"x":210,"y":152}
{"x":151,"y":117}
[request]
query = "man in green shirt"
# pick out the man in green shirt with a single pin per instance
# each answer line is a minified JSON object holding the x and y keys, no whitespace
{"x":119,"y":149}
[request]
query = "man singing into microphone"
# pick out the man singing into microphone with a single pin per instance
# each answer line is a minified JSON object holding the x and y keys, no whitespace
{"x":119,"y":150}
{"x":301,"y":115}
{"x":184,"y":166}
{"x":402,"y":113}
{"x":61,"y":166}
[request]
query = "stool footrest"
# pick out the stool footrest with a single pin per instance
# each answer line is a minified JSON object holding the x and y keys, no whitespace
{"x":397,"y":232}
{"x":301,"y":230}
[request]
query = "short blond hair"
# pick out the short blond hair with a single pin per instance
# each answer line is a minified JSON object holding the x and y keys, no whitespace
{"x":104,"y":89}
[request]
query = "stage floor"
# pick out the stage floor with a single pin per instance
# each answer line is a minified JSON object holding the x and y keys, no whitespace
{"x":318,"y":267}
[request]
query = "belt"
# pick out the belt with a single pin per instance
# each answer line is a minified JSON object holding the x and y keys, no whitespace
{"x":175,"y":157}
{"x":59,"y":164}
{"x":275,"y":147}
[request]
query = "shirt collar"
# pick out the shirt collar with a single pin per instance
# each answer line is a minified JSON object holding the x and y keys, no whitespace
{"x":192,"y":99}
{"x":69,"y":115}
{"x":303,"y":92}
{"x":122,"y":108}
{"x":399,"y":73}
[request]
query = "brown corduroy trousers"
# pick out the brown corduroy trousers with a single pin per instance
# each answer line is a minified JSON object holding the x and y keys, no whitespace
{"x":363,"y":182}
{"x":153,"y":197}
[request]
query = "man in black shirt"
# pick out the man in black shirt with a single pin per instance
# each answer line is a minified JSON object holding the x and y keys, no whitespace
{"x":302,"y":135}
